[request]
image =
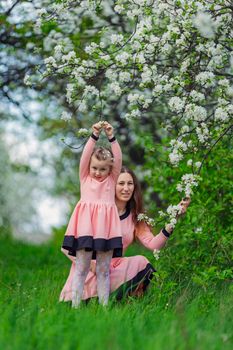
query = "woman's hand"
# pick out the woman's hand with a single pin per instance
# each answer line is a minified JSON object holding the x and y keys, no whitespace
{"x":108,"y":128}
{"x":96,"y":128}
{"x":184,"y":203}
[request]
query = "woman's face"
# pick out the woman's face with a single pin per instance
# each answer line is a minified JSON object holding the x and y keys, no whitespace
{"x":124,"y":187}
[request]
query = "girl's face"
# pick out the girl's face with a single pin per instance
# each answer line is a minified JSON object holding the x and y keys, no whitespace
{"x":124,"y":187}
{"x":99,"y":169}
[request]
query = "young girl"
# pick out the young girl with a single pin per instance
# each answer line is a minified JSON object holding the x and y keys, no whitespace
{"x":94,"y":228}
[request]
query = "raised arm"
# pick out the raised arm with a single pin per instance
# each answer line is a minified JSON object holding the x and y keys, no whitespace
{"x":86,"y":156}
{"x":88,"y":150}
{"x":116,"y":150}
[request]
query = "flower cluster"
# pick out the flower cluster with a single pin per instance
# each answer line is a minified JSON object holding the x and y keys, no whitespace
{"x":83,"y":132}
{"x":66,"y":116}
{"x":156,"y":253}
{"x":146,"y":219}
{"x":188,"y":182}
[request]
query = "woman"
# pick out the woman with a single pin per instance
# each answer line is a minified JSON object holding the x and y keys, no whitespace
{"x":128,"y":275}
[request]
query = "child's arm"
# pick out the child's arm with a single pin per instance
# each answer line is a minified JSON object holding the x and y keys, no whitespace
{"x":87,"y":151}
{"x":116,"y":150}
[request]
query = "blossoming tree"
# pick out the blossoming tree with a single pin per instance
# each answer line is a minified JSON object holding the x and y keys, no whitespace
{"x":168,"y":63}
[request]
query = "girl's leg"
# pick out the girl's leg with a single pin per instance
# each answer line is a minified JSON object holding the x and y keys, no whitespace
{"x":82,"y":267}
{"x":103,"y":260}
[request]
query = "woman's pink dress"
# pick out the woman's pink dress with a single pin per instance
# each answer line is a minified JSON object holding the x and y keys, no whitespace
{"x":126,"y":273}
{"x":95,"y":224}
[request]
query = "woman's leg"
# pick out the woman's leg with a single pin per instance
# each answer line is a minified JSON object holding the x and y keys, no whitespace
{"x":103,"y":260}
{"x":81,"y":270}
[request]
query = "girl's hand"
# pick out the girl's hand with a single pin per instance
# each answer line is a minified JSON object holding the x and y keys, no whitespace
{"x":108,"y":129}
{"x":96,"y":128}
{"x":184,"y":203}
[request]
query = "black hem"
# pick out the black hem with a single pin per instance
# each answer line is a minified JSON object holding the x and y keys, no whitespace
{"x":88,"y":243}
{"x":144,"y":276}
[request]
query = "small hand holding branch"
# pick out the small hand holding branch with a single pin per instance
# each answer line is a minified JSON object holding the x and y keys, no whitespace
{"x":96,"y":128}
{"x":108,"y":128}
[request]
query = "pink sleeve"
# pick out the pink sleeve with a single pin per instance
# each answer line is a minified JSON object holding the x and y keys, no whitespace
{"x":146,"y":238}
{"x":85,"y":158}
{"x":117,"y":154}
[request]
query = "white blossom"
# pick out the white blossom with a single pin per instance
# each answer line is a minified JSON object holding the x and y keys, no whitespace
{"x":69,"y":92}
{"x":205,"y":24}
{"x":124,"y":76}
{"x":198,"y":165}
{"x":90,"y":49}
{"x":90,"y":90}
{"x":197,"y":96}
{"x":119,"y":8}
{"x":66,"y":116}
{"x":221,"y":114}
{"x":146,"y":219}
{"x":27,"y":80}
{"x":83,"y":132}
{"x":146,"y":75}
{"x":82,"y":106}
{"x":175,"y":157}
{"x":202,"y":133}
{"x":135,"y":113}
{"x":195,"y":112}
{"x":176,"y":104}
{"x":122,"y":57}
{"x":117,"y":39}
{"x":156,"y":253}
{"x":50,"y":61}
{"x":206,"y":79}
{"x":70,"y":56}
{"x":115,"y":87}
{"x":198,"y":230}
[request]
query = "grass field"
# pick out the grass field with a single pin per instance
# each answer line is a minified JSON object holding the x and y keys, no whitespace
{"x":32,"y":318}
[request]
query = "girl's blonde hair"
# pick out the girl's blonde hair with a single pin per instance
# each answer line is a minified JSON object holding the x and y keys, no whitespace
{"x":103,"y":153}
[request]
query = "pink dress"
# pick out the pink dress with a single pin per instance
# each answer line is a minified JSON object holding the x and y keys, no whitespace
{"x":126,"y":273}
{"x":95,"y":224}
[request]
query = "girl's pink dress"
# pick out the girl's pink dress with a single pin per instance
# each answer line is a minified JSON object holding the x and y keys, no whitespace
{"x":95,"y":224}
{"x":126,"y":273}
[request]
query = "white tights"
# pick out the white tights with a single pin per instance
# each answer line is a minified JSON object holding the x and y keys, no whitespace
{"x":82,"y":267}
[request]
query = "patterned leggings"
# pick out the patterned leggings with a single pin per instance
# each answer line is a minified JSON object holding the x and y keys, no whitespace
{"x":82,"y":268}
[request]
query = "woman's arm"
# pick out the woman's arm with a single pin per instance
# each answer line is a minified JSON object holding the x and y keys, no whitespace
{"x":147,"y":239}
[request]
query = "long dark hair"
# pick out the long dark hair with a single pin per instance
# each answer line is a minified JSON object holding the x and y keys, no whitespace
{"x":135,"y":204}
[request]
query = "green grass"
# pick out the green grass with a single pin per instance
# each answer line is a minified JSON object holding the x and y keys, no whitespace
{"x":32,"y":318}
